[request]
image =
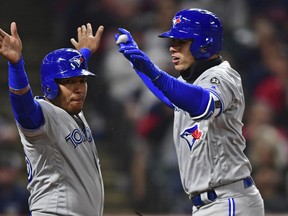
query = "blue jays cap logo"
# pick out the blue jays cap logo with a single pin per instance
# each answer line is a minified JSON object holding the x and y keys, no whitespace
{"x":76,"y":61}
{"x":176,"y":20}
{"x":191,"y":135}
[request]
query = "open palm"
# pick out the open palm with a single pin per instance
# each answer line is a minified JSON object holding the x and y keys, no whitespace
{"x":87,"y":39}
{"x":11,"y":45}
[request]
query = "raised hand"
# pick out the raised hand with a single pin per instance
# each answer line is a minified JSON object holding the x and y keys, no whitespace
{"x":140,"y":61}
{"x":87,"y":39}
{"x":129,"y":42}
{"x":11,"y":45}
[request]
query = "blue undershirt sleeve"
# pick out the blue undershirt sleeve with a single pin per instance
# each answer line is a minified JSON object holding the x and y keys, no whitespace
{"x":147,"y":81}
{"x":27,"y":111}
{"x":17,"y":77}
{"x":188,"y":97}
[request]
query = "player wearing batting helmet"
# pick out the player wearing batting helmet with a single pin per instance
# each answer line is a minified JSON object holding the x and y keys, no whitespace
{"x":208,"y":103}
{"x":62,"y":162}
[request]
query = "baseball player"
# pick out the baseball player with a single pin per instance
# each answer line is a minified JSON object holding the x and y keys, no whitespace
{"x":62,"y":162}
{"x":208,"y":104}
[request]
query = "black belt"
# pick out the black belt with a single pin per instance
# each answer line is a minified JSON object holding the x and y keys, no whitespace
{"x":211,"y":194}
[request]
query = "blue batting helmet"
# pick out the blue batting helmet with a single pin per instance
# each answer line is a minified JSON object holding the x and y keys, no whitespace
{"x":60,"y":64}
{"x":202,"y":26}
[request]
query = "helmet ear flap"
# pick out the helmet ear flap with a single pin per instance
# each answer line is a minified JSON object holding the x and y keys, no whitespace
{"x":201,"y":48}
{"x":50,"y":91}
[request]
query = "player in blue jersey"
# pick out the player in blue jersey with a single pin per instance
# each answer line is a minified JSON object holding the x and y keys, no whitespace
{"x":62,"y":162}
{"x":208,"y":103}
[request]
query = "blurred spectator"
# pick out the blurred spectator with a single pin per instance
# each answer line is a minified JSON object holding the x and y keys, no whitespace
{"x":8,"y":131}
{"x":268,"y":155}
{"x":130,"y":98}
{"x":268,"y":148}
{"x":236,"y":18}
{"x":272,"y":89}
{"x":153,"y":168}
{"x":274,"y":59}
{"x":257,"y":114}
{"x":269,"y":22}
{"x":156,"y":185}
{"x":267,"y":151}
{"x":13,"y":194}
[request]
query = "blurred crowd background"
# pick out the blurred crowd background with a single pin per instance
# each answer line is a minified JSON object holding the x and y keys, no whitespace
{"x":133,"y":131}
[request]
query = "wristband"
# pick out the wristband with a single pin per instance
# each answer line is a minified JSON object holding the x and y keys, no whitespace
{"x":86,"y":53}
{"x":17,"y":76}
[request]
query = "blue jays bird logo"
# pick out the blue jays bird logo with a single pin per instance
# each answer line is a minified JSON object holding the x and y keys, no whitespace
{"x":176,"y":20}
{"x":191,"y":135}
{"x":76,"y":60}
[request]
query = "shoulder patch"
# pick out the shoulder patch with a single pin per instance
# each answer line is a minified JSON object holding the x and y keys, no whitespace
{"x":215,"y":80}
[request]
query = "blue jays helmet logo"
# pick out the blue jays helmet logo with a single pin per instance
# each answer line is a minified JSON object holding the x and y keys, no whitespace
{"x":176,"y":20}
{"x":191,"y":135}
{"x":76,"y":61}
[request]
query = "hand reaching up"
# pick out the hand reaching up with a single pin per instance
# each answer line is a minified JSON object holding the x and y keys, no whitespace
{"x":11,"y":45}
{"x":87,"y":39}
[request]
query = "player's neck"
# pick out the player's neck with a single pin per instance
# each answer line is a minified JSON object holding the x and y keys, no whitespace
{"x":196,"y":69}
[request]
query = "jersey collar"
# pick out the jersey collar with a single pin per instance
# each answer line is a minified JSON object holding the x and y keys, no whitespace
{"x":192,"y":73}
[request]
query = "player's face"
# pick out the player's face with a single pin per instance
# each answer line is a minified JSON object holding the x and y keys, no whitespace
{"x":72,"y":94}
{"x":181,"y":55}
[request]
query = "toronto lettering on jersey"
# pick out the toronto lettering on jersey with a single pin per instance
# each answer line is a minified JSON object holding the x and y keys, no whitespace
{"x":77,"y":136}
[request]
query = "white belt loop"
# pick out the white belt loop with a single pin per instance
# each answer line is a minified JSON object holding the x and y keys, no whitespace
{"x":204,"y":198}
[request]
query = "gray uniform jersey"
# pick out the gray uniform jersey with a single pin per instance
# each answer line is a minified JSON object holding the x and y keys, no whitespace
{"x":210,"y":152}
{"x":63,"y":166}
